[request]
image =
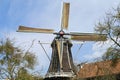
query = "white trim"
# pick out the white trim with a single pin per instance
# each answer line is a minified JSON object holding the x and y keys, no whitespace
{"x":59,"y":74}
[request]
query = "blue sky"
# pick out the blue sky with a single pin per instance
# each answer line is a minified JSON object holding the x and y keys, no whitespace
{"x":84,"y":14}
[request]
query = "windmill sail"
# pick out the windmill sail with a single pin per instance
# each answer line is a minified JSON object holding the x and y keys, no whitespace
{"x":88,"y":37}
{"x":34,"y":30}
{"x":65,"y":16}
{"x":61,"y":63}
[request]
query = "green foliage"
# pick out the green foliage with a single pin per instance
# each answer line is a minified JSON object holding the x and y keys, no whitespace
{"x":111,"y":53}
{"x":24,"y":75}
{"x":111,"y":27}
{"x":30,"y":59}
{"x":14,"y":62}
{"x":106,"y":77}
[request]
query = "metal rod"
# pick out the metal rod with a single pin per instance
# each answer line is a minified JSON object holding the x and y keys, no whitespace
{"x":78,"y":50}
{"x":44,"y":50}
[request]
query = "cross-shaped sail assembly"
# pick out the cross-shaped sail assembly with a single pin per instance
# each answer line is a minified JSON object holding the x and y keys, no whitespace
{"x":61,"y":64}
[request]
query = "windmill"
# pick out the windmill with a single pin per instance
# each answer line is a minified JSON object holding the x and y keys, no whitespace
{"x":61,"y":63}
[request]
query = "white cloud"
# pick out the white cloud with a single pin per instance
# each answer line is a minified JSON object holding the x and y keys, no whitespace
{"x":99,"y":48}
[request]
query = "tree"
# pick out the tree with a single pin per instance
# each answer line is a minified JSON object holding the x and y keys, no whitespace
{"x":24,"y":75}
{"x":14,"y":62}
{"x":111,"y":27}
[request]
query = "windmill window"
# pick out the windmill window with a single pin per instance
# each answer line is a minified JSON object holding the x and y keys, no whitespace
{"x":65,"y":44}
